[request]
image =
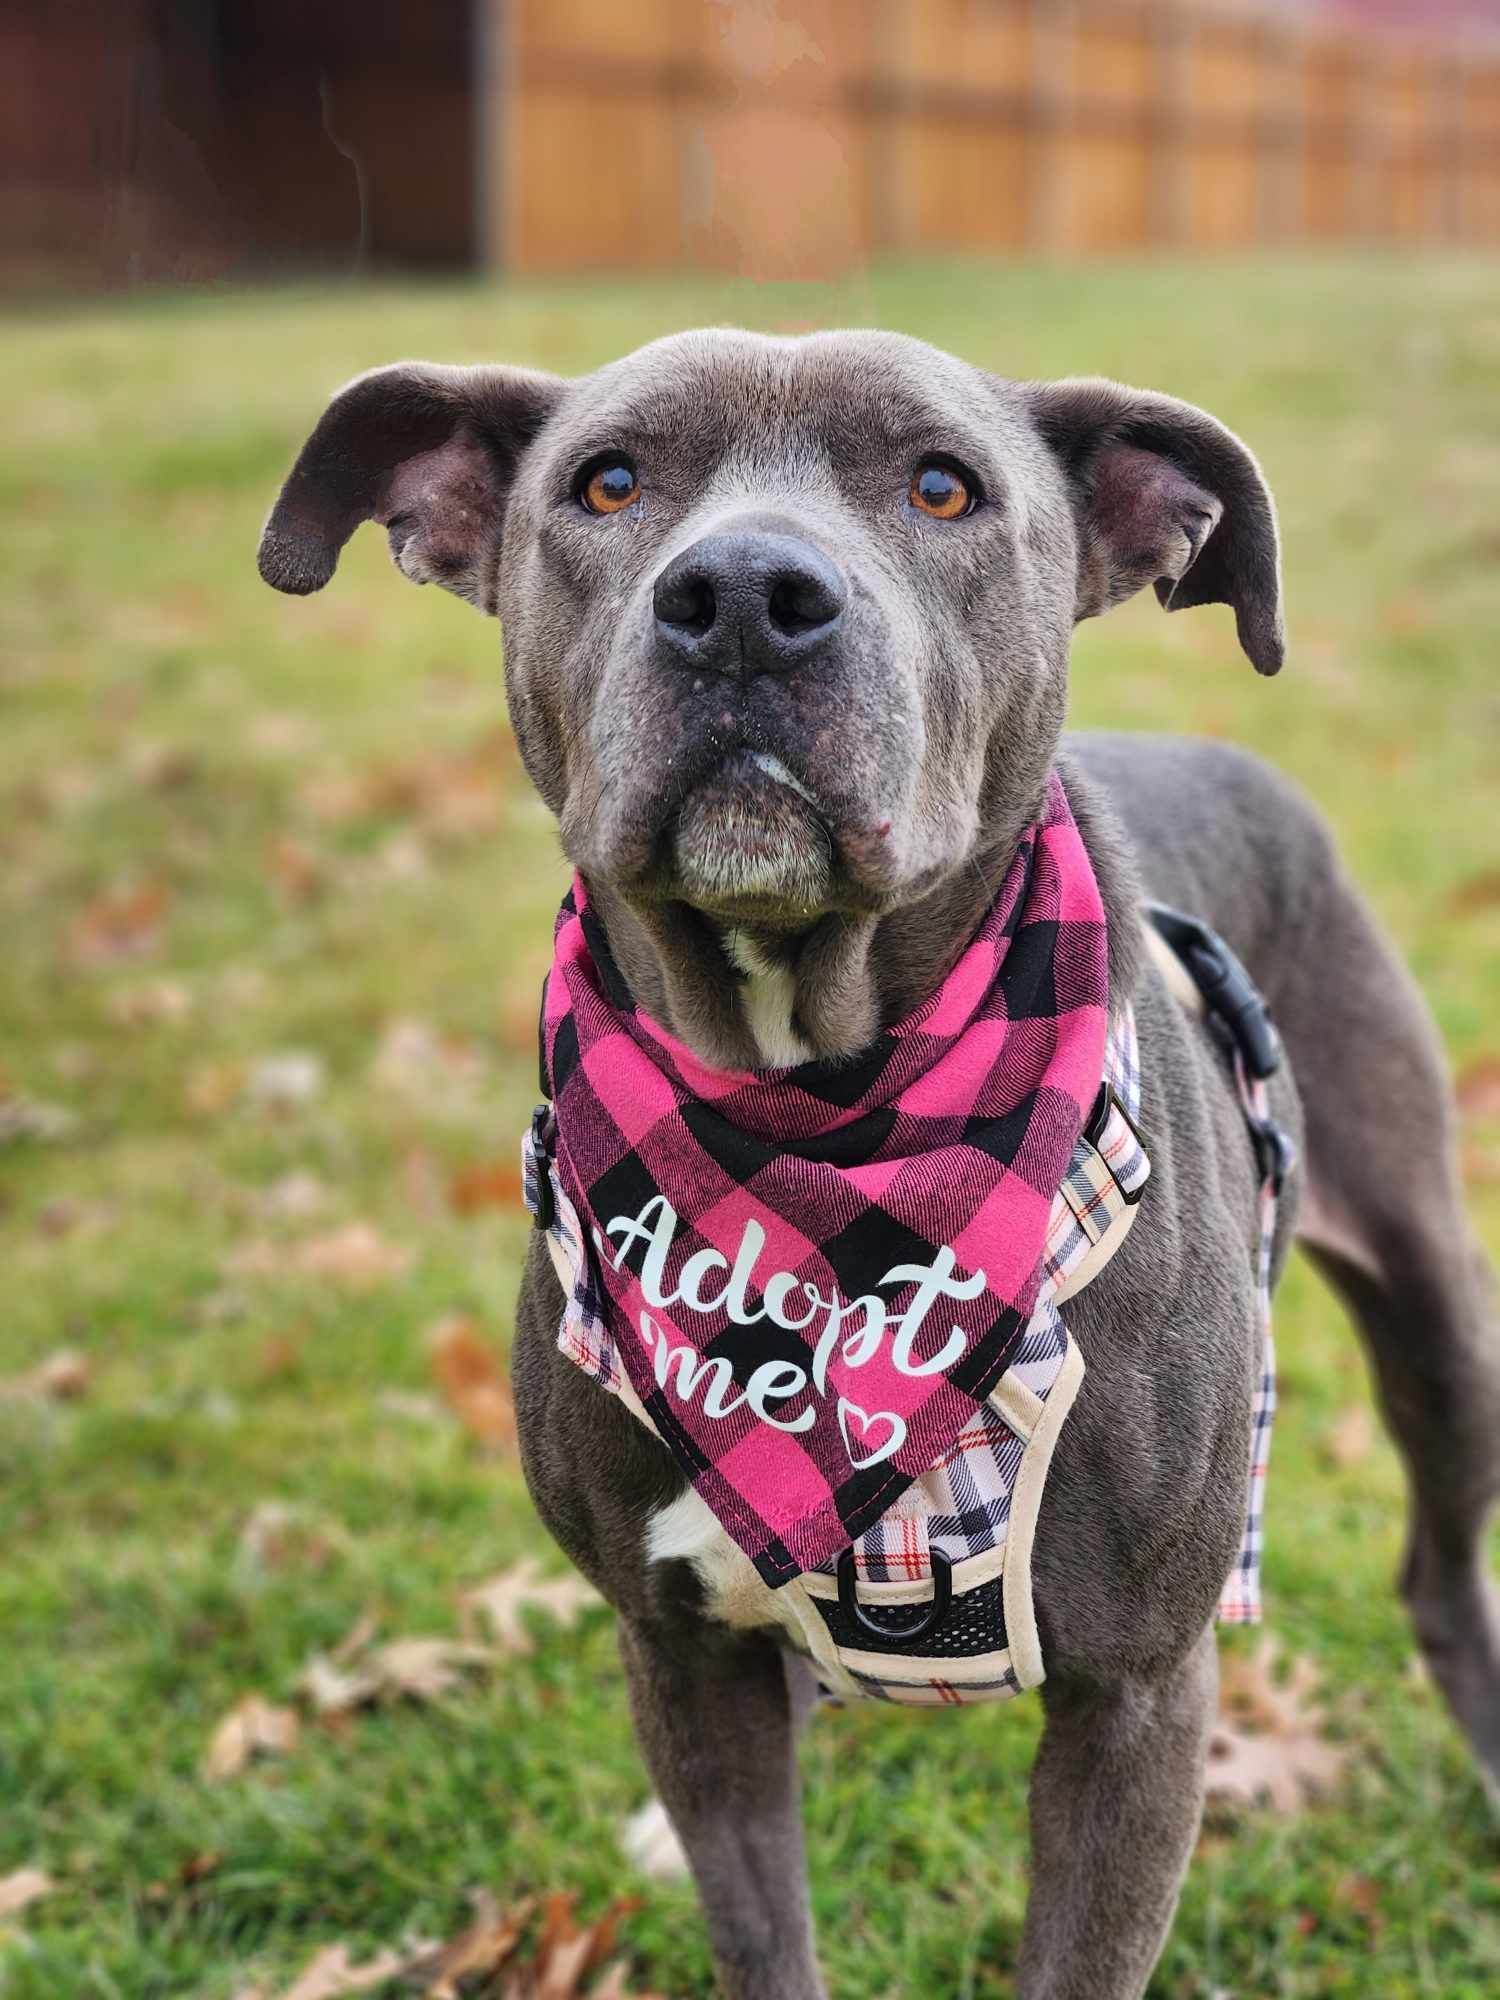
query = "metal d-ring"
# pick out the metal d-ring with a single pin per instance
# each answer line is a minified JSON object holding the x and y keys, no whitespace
{"x":931,"y":1615}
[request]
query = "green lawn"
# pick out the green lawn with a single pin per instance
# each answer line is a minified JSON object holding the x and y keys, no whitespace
{"x":306,"y":818}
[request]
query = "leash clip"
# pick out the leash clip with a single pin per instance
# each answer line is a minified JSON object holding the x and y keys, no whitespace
{"x":929,"y":1617}
{"x":1230,"y":995}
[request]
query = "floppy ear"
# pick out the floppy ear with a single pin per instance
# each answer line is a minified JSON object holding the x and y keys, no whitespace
{"x":1165,"y":494}
{"x":429,"y":453}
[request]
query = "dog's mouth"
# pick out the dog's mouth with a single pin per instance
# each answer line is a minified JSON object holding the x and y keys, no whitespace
{"x":750,"y":842}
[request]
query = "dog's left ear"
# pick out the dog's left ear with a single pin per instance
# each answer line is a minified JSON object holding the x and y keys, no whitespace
{"x":1165,"y":495}
{"x":429,"y":453}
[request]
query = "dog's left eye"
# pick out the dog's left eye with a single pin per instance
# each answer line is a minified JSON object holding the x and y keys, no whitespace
{"x":941,"y":492}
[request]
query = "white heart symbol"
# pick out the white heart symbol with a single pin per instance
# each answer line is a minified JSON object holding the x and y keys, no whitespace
{"x":864,"y":1419}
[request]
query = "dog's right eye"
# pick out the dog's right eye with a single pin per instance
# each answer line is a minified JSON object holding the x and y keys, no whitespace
{"x":610,"y":487}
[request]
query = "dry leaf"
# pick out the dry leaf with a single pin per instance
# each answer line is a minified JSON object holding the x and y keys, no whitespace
{"x":333,"y":1973}
{"x":487,"y":1946}
{"x":124,"y":924}
{"x":425,"y":1669}
{"x":252,"y":1728}
{"x":486,"y":1184}
{"x":28,"y":1118}
{"x":414,"y":1669}
{"x":212,"y":1087}
{"x":296,"y":1197}
{"x":26,"y":1885}
{"x":59,"y":1378}
{"x":1479,"y":892}
{"x":1267,"y":1747}
{"x":500,"y":1602}
{"x":357,"y":1256}
{"x":1477,"y":1088}
{"x":159,"y":1003}
{"x":286,"y":1082}
{"x":1348,"y":1440}
{"x":469,"y":1375}
{"x":278,"y":1535}
{"x":297,"y":870}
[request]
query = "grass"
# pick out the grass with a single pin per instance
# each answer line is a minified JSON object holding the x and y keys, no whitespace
{"x":174,"y":731}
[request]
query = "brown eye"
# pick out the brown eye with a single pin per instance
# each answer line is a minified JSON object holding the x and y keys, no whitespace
{"x":941,"y":492}
{"x":611,"y":487}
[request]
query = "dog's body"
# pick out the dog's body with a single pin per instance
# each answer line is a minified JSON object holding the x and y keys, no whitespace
{"x":791,"y":858}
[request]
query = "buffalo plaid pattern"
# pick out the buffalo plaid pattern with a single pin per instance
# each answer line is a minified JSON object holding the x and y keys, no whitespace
{"x":951,"y":1134}
{"x":961,"y":1507}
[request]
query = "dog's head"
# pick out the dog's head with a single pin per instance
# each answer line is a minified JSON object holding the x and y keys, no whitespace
{"x":786,"y":620}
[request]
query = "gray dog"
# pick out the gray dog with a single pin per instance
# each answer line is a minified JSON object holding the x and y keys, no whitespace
{"x":786,"y":628}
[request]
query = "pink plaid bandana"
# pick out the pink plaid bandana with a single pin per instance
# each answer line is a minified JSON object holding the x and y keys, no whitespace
{"x":816,"y":1275}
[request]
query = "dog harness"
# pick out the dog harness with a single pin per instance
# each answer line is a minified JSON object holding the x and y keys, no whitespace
{"x":833,"y":1292}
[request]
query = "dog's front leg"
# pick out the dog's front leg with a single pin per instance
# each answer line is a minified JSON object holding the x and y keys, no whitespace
{"x":1116,"y":1796}
{"x":715,"y":1716}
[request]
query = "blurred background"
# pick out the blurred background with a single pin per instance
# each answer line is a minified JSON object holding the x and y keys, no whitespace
{"x":292,"y":1686}
{"x":196,"y":139}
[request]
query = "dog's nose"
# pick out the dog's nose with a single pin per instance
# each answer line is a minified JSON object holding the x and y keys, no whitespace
{"x":752,"y":603}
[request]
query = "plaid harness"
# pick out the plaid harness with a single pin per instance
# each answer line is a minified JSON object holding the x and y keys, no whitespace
{"x":923,"y":1594}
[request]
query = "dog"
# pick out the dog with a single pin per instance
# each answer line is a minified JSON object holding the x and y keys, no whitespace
{"x":787,"y":624}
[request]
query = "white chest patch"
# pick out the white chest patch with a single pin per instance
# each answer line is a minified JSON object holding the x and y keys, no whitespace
{"x":768,"y":994}
{"x":688,"y":1531}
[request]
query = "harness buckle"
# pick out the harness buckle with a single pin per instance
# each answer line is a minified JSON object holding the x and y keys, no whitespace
{"x":544,"y":1209}
{"x":1229,"y":993}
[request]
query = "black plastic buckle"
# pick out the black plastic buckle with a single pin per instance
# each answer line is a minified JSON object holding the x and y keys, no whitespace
{"x":545,"y":1212}
{"x":1109,"y":1099}
{"x":929,"y":1616}
{"x":1229,"y":993}
{"x":1274,"y":1152}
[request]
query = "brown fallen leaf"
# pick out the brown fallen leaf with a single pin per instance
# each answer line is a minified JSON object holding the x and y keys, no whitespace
{"x":500,"y":1602}
{"x":254,"y":1727}
{"x":486,"y":1184}
{"x":1479,"y":892}
{"x":298,"y":872}
{"x":159,"y":1003}
{"x":1349,"y":1439}
{"x":468,"y":1372}
{"x":357,"y":1256}
{"x":24,"y":1887}
{"x":123,"y":924}
{"x":197,"y":1868}
{"x":1268,"y":1747}
{"x":356,"y":1673}
{"x":29,"y":1118}
{"x":559,"y":1964}
{"x":59,"y":1378}
{"x":333,"y":1973}
{"x":1477,"y":1087}
{"x":482,"y":1950}
{"x":212,"y":1087}
{"x":278,"y":1535}
{"x":295,"y":1197}
{"x":567,"y":1953}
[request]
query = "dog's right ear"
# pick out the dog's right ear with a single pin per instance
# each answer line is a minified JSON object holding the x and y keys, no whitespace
{"x":429,"y":453}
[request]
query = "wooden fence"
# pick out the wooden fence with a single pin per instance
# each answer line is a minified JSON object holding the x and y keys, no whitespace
{"x":793,"y":137}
